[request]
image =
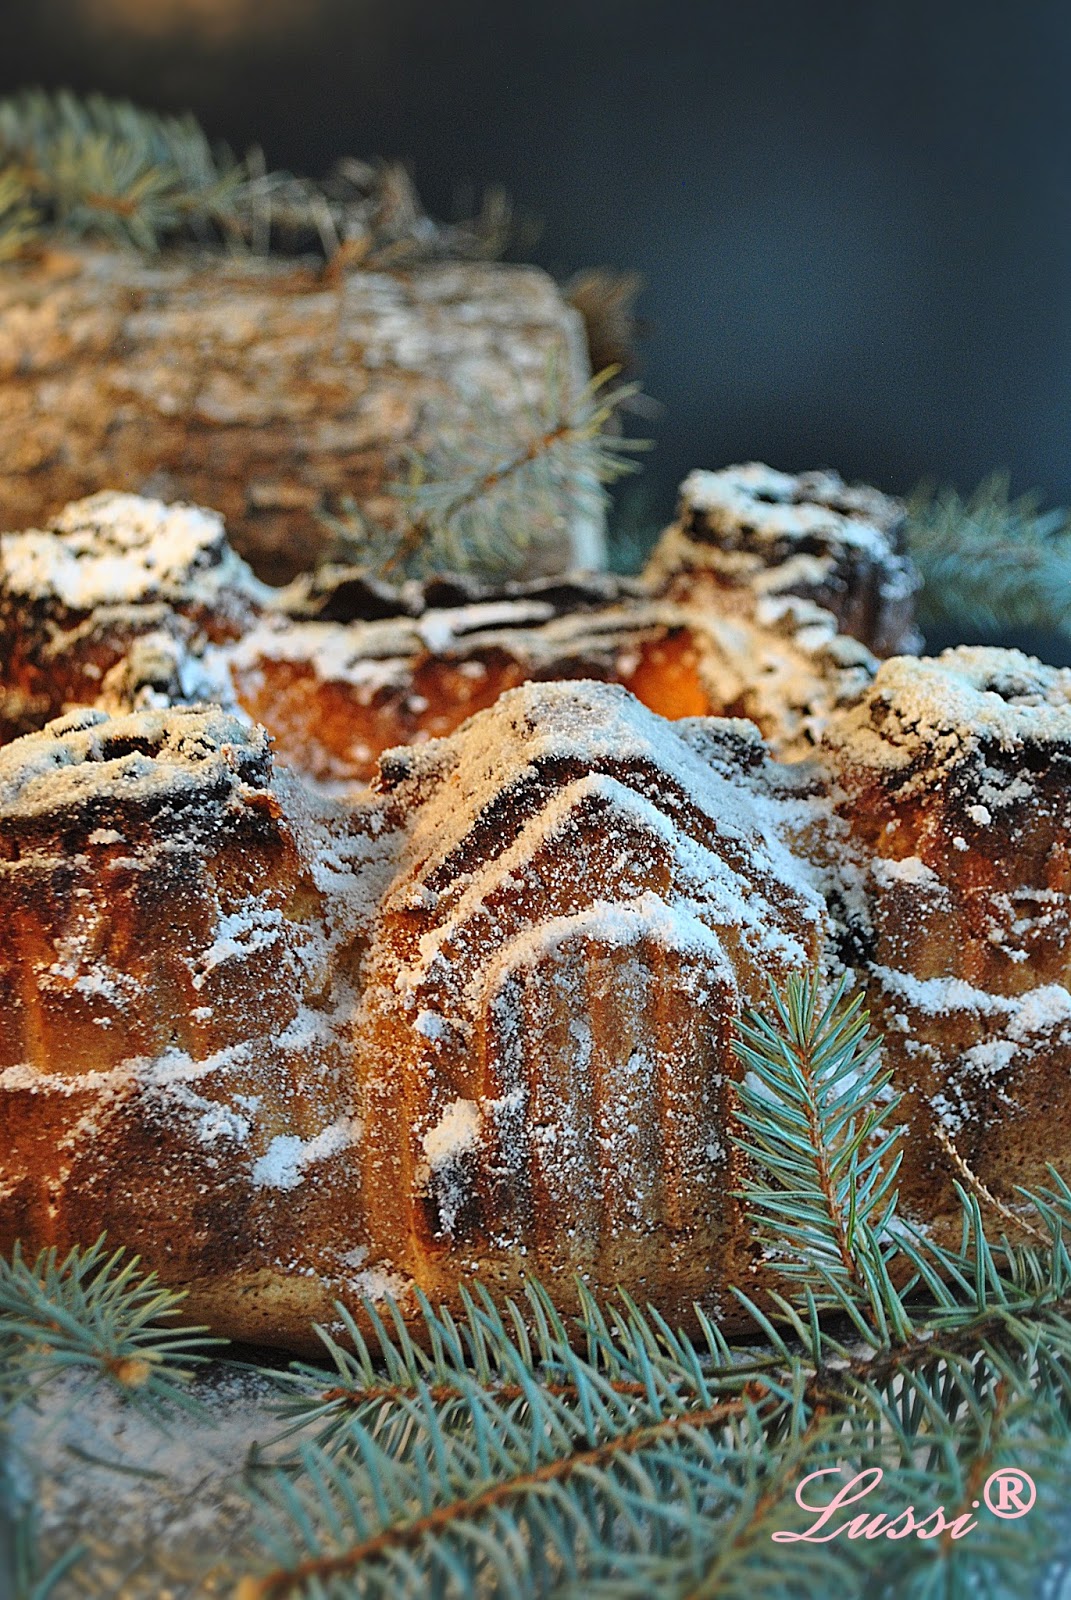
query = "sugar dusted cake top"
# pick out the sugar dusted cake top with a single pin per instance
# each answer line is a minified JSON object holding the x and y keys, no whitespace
{"x":124,"y":549}
{"x":87,"y":758}
{"x":939,"y":709}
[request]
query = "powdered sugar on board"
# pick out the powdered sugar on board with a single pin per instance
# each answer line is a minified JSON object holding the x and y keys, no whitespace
{"x":159,"y":1513}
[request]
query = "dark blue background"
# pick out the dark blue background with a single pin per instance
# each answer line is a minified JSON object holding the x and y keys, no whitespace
{"x":854,"y":219}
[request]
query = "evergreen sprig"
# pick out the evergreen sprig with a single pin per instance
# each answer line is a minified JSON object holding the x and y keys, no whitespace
{"x":106,"y":167}
{"x":991,"y":563}
{"x":477,"y":497}
{"x":101,"y":167}
{"x":97,"y":1315}
{"x":98,"y":1312}
{"x":616,"y":1454}
{"x":823,"y":1192}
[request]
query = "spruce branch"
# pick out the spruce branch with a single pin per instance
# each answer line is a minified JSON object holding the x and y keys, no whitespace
{"x":106,"y":167}
{"x":109,"y":169}
{"x":551,"y":1440}
{"x":367,"y":1386}
{"x":927,"y":1399}
{"x":97,"y":1313}
{"x":813,"y":1110}
{"x":97,"y":1316}
{"x":462,"y":1510}
{"x":475,"y":499}
{"x":991,"y":563}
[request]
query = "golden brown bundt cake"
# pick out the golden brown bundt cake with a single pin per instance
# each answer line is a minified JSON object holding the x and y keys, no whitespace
{"x":581,"y":902}
{"x":177,"y":927}
{"x":480,"y":1020}
{"x":953,"y":776}
{"x":738,"y":614}
{"x":336,"y":696}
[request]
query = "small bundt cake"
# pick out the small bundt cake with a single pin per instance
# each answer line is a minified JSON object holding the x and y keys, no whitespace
{"x":120,"y":596}
{"x":773,"y":534}
{"x":953,"y":777}
{"x":580,"y":904}
{"x":169,"y":996}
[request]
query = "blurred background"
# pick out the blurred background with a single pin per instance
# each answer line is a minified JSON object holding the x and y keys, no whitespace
{"x":853,"y":220}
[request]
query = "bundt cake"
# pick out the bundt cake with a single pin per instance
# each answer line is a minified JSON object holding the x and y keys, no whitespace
{"x":953,"y":777}
{"x":300,"y":1039}
{"x":809,"y":535}
{"x":120,"y":600}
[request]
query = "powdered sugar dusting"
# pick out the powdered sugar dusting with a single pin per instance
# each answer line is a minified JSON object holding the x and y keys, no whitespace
{"x":767,"y":504}
{"x":147,"y":754}
{"x":942,"y":996}
{"x":969,"y":698}
{"x":455,"y":1134}
{"x":287,"y":1158}
{"x":1041,"y":1009}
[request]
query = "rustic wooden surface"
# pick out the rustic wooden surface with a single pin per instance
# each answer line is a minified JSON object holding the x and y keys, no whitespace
{"x":265,"y":388}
